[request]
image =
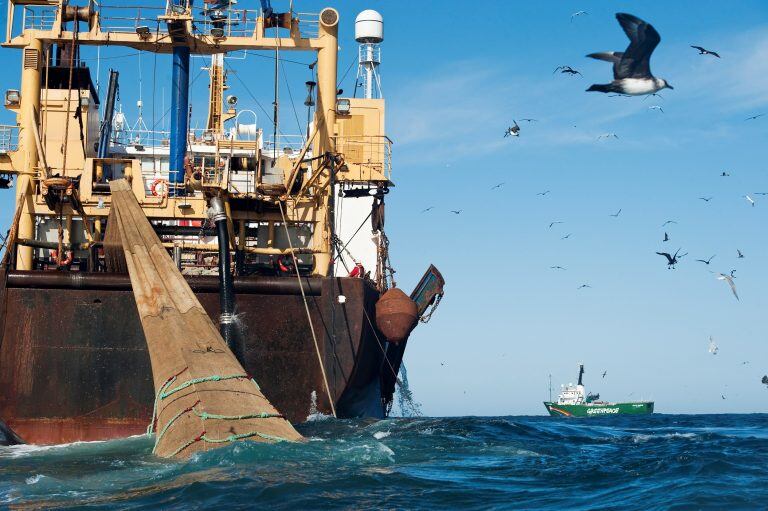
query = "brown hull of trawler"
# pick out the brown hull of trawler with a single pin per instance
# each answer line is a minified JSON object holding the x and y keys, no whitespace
{"x":74,"y":363}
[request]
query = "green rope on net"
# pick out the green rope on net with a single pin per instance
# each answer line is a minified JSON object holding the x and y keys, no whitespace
{"x":263,"y":415}
{"x":230,"y":438}
{"x":194,"y":381}
{"x":168,"y":383}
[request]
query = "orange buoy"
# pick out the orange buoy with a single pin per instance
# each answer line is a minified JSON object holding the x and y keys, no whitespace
{"x":396,"y":315}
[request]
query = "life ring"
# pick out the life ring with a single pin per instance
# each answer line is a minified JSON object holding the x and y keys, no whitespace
{"x":162,"y":185}
{"x":60,"y":262}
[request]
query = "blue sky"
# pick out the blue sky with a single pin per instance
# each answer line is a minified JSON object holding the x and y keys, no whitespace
{"x":454,"y":79}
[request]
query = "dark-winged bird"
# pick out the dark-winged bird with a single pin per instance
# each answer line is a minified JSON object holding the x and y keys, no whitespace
{"x":456,"y":211}
{"x":556,"y":268}
{"x":666,"y":237}
{"x":632,"y":68}
{"x":672,"y":260}
{"x":513,"y":131}
{"x":554,"y":223}
{"x":616,"y":215}
{"x":428,"y":209}
{"x":566,"y":70}
{"x":764,"y":381}
{"x":668,"y":222}
{"x":497,"y":186}
{"x":705,"y":199}
{"x":706,"y":261}
{"x":543,"y":193}
{"x":704,"y":51}
{"x":604,"y":373}
{"x":724,"y":174}
{"x":739,"y":254}
{"x":583,"y":286}
{"x":754,"y":117}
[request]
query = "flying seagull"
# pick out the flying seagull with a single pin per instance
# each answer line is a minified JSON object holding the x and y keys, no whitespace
{"x":632,"y":68}
{"x":750,"y":200}
{"x":739,"y":254}
{"x":428,"y":209}
{"x":567,"y":70}
{"x":456,"y":211}
{"x":584,"y":286}
{"x":608,"y":135}
{"x":529,"y":120}
{"x":761,"y":193}
{"x":616,"y":215}
{"x":566,"y":236}
{"x":706,"y":261}
{"x":604,"y":373}
{"x":499,"y":185}
{"x":722,"y":396}
{"x":513,"y":131}
{"x":668,"y":222}
{"x":705,"y":199}
{"x":712,"y":346}
{"x":666,"y":237}
{"x":703,"y":51}
{"x":672,"y":260}
{"x":729,"y":279}
{"x":656,"y":107}
{"x":725,"y":174}
{"x":543,"y":193}
{"x":553,"y":223}
{"x":578,"y":13}
{"x":764,"y":381}
{"x":754,"y":117}
{"x":556,"y":268}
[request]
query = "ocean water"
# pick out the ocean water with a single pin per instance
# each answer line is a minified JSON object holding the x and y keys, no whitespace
{"x":652,"y":462}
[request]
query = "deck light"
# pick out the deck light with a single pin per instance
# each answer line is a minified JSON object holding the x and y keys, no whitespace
{"x":143,"y":32}
{"x":217,"y":32}
{"x":12,"y":97}
{"x":343,"y":106}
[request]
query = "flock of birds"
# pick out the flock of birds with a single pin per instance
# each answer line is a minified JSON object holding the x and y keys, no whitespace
{"x":632,"y":77}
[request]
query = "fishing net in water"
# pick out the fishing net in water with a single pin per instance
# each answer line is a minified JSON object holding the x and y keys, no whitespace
{"x":408,"y":406}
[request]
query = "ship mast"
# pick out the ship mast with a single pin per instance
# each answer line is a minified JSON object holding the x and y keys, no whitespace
{"x":216,"y":87}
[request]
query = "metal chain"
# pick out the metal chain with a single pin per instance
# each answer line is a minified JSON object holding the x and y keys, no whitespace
{"x":426,"y":317}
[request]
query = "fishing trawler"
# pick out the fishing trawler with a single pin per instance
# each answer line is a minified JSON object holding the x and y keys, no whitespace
{"x":294,"y":265}
{"x":573,"y":401}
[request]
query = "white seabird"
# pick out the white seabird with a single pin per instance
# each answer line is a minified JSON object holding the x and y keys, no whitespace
{"x":632,"y":67}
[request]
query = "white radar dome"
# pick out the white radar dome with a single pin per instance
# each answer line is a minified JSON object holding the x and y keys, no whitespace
{"x":369,"y":27}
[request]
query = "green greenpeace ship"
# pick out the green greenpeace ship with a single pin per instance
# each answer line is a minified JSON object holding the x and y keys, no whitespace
{"x":573,"y":402}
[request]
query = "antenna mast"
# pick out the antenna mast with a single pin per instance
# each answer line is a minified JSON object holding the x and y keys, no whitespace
{"x":550,"y":387}
{"x":369,"y":32}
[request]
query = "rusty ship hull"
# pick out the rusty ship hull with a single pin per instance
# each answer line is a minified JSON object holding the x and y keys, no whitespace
{"x":74,"y":364}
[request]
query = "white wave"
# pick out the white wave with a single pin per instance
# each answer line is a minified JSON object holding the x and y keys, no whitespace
{"x":381,"y":434}
{"x":34,"y":479}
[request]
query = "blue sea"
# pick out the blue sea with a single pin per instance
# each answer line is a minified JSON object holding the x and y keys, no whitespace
{"x":652,"y":462}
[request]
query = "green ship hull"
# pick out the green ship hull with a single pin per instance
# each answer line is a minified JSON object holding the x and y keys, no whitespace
{"x":599,"y":409}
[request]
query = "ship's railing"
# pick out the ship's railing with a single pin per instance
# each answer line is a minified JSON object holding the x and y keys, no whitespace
{"x":128,"y":18}
{"x":9,"y":138}
{"x":217,"y":22}
{"x":38,"y":17}
{"x":367,"y":152}
{"x":285,"y":144}
{"x":309,"y":24}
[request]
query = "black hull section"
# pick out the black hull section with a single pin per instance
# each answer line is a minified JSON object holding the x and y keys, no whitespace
{"x":74,"y":365}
